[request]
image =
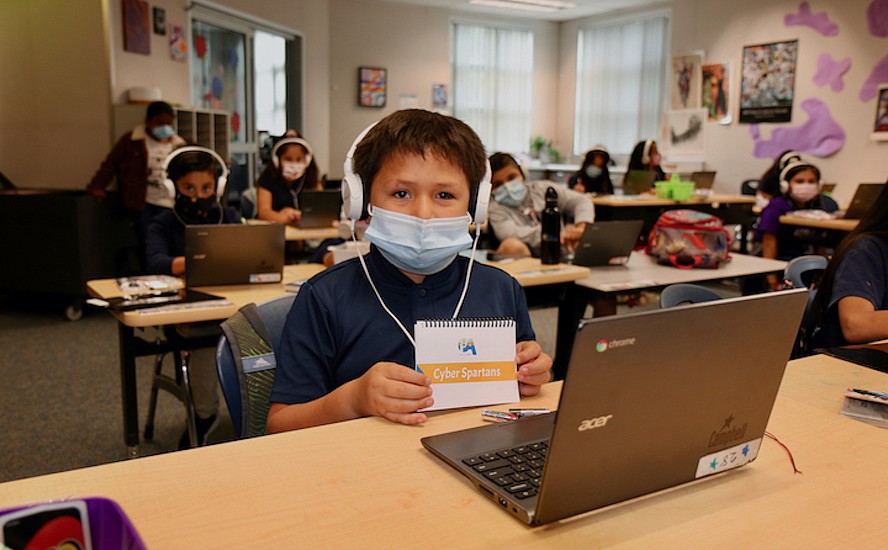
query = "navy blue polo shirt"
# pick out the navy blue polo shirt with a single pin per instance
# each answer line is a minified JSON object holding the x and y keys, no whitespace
{"x":336,"y":329}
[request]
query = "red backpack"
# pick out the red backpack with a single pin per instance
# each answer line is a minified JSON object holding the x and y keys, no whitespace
{"x":688,"y":238}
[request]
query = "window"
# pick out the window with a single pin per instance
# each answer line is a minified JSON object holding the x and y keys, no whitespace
{"x":621,"y":83}
{"x":270,"y":55}
{"x":492,"y":84}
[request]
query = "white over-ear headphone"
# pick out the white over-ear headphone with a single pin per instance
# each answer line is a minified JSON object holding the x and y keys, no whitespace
{"x":291,"y":141}
{"x":353,"y":187}
{"x":221,"y":181}
{"x":786,"y":158}
{"x":646,"y":151}
{"x":784,"y":174}
{"x":602,"y":150}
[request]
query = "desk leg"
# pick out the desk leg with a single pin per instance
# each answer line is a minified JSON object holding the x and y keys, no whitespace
{"x":128,"y":390}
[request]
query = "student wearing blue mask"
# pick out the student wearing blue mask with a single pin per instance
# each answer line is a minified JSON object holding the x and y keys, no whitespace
{"x":347,"y":346}
{"x":136,"y":162}
{"x":593,"y":176}
{"x":517,"y":205}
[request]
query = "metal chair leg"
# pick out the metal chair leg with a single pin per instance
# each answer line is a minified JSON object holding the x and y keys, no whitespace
{"x":152,"y":401}
{"x":186,"y":399}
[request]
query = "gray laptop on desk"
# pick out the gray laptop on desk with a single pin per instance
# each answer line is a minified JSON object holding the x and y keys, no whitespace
{"x":864,"y":197}
{"x":703,"y":180}
{"x":233,"y":254}
{"x":319,"y":208}
{"x":638,"y":182}
{"x":651,"y":400}
{"x":607,"y":243}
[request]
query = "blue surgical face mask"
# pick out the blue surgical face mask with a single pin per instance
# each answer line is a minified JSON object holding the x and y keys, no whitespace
{"x":416,"y":245}
{"x":511,"y":193}
{"x":163,"y":132}
{"x":593,"y":171}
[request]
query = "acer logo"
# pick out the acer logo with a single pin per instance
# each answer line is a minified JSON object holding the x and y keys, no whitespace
{"x":592,"y":423}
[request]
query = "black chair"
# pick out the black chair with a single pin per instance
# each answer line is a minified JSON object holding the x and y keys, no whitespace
{"x":804,"y":272}
{"x":685,"y":293}
{"x":749,"y":187}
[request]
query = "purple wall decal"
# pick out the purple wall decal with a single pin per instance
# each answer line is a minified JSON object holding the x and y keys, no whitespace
{"x":878,"y":75}
{"x":820,"y":136}
{"x":877,"y":18}
{"x":820,"y":22}
{"x":830,"y":72}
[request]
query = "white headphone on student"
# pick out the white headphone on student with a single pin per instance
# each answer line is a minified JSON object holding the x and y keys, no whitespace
{"x":646,"y":151}
{"x":353,"y":186}
{"x":291,"y":141}
{"x":602,"y":150}
{"x":221,"y":181}
{"x":787,"y":157}
{"x":784,"y":174}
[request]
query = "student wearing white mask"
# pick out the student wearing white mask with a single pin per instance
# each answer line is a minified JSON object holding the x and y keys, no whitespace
{"x":517,"y":205}
{"x":800,"y":188}
{"x":347,"y":347}
{"x":593,"y":176}
{"x":290,"y":170}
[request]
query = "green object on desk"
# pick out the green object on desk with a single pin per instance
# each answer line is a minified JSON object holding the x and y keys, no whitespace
{"x":675,"y":188}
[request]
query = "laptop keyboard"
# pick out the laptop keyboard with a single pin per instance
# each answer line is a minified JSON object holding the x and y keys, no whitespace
{"x":516,"y":470}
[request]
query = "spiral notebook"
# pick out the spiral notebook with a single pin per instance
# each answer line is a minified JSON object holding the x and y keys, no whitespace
{"x":470,"y":361}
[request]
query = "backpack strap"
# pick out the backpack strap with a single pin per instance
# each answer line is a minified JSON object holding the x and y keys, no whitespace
{"x":255,"y":362}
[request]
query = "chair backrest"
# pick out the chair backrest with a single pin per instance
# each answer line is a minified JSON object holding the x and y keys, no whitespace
{"x":273,"y":314}
{"x":685,"y":293}
{"x":248,"y":203}
{"x":802,"y":272}
{"x":749,"y":187}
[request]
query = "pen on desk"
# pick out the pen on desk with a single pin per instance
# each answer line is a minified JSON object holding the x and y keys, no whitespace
{"x":521,"y":413}
{"x":880,"y":395}
{"x":499,"y":416}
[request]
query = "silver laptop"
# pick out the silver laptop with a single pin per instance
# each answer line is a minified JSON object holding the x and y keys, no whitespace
{"x":651,"y":400}
{"x":607,"y":243}
{"x":233,"y":254}
{"x":638,"y":182}
{"x":703,"y":180}
{"x":319,"y":208}
{"x":864,"y":197}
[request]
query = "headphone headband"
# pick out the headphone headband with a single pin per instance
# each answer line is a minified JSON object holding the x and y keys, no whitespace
{"x":788,"y":157}
{"x":290,"y":141}
{"x":784,"y":174}
{"x":221,"y":181}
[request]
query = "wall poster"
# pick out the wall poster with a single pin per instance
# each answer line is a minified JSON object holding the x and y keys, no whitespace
{"x":767,"y":82}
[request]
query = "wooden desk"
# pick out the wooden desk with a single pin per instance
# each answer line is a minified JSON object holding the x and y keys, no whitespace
{"x":641,"y":272}
{"x":293,"y":233}
{"x":732,"y":209}
{"x":368,"y":483}
{"x":841,"y":225}
{"x":132,"y":346}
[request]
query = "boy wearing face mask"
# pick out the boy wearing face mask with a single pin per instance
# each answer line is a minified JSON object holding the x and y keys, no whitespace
{"x":136,"y":161}
{"x":347,"y":347}
{"x":290,"y":169}
{"x":800,"y":184}
{"x":195,"y":175}
{"x":593,"y":176}
{"x":517,"y":205}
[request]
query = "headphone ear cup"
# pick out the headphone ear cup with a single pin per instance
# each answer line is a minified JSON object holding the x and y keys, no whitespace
{"x":276,"y":161}
{"x":221,"y":183}
{"x":170,"y":186}
{"x":352,"y":191}
{"x":482,"y":201}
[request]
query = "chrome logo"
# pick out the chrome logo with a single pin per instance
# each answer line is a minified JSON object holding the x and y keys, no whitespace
{"x":601,"y":346}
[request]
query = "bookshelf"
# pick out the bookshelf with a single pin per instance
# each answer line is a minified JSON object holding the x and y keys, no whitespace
{"x":204,"y":127}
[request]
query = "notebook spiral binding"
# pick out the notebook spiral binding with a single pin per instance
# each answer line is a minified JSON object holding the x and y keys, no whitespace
{"x":471,"y":322}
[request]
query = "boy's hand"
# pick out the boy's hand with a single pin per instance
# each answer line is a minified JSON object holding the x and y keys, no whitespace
{"x":533,"y":367}
{"x":293,"y":216}
{"x":394,"y":392}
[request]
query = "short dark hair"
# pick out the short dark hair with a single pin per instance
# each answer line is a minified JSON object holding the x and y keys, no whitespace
{"x":158,"y":108}
{"x":421,"y":132}
{"x":193,"y":161}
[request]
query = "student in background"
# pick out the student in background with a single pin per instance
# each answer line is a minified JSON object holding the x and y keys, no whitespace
{"x":517,"y":205}
{"x":800,"y":185}
{"x":346,"y":347}
{"x":593,"y":176}
{"x":769,"y":184}
{"x":646,"y":157}
{"x":136,"y":161}
{"x":851,"y":306}
{"x":290,"y":170}
{"x":199,"y":179}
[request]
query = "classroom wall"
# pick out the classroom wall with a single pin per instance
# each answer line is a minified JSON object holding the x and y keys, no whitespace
{"x":413,"y":43}
{"x":55,"y":101}
{"x":721,"y":28}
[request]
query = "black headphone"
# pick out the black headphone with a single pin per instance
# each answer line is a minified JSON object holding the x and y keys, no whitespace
{"x":353,"y":186}
{"x":646,"y":151}
{"x":784,"y":174}
{"x":288,"y":141}
{"x":221,"y":181}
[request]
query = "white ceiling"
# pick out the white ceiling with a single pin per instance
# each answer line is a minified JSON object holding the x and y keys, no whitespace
{"x":585,"y":8}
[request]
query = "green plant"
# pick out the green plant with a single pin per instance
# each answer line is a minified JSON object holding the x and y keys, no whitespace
{"x":539,"y":143}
